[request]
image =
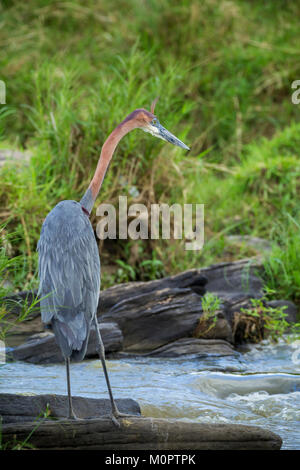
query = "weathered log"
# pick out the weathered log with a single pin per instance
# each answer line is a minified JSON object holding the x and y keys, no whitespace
{"x":108,"y":297}
{"x":23,"y":408}
{"x":43,"y":349}
{"x":154,"y":314}
{"x":139,"y":434}
{"x":195,"y":346}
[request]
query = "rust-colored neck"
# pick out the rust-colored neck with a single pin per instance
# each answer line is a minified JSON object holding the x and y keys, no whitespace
{"x":107,"y":152}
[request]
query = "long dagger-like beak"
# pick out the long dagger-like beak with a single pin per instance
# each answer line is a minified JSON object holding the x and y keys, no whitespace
{"x":166,"y":135}
{"x":157,"y":130}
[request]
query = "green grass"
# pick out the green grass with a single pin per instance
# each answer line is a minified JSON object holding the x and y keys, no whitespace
{"x":282,"y":267}
{"x":13,"y":270}
{"x":223,"y":71}
{"x":266,"y":322}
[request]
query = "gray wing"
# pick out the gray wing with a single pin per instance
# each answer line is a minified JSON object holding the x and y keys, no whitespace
{"x":69,"y":271}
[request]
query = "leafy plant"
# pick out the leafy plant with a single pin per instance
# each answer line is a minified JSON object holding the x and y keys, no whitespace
{"x":146,"y":270}
{"x":9,"y":265}
{"x":268,"y":321}
{"x":210,"y":304}
{"x":282,"y":267}
{"x":125,"y":272}
{"x":151,"y":269}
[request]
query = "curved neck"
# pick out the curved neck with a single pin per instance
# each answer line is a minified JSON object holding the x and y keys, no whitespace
{"x":106,"y":154}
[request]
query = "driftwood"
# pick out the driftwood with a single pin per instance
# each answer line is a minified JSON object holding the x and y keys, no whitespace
{"x":95,"y":431}
{"x":201,"y":347}
{"x":41,"y":348}
{"x":152,"y":314}
{"x":23,"y":408}
{"x":150,"y":317}
{"x":139,"y":434}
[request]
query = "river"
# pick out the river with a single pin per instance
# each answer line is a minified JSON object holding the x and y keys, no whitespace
{"x":261,"y":386}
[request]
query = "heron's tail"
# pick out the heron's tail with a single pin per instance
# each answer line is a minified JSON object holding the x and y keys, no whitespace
{"x":72,"y":340}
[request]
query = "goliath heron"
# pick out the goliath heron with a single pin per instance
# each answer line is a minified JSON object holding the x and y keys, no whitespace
{"x":69,"y":264}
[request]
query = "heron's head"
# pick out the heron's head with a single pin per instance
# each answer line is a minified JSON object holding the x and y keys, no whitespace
{"x":148,"y":122}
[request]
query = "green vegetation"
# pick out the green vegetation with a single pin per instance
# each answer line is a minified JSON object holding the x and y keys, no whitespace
{"x":282,"y":269}
{"x":253,"y":324}
{"x":223,"y":71}
{"x":12,"y":267}
{"x":25,"y":445}
{"x":210,"y":305}
{"x":262,"y":321}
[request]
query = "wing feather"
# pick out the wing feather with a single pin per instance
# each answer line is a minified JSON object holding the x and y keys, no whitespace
{"x":69,"y":271}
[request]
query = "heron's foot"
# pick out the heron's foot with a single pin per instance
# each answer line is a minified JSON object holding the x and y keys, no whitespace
{"x":116,"y":416}
{"x":73,"y":417}
{"x":124,"y":415}
{"x":115,"y":421}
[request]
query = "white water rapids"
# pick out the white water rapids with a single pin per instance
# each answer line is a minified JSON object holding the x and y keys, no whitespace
{"x":259,"y":387}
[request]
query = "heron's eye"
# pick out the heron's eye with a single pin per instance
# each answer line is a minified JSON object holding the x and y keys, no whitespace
{"x":154,"y":121}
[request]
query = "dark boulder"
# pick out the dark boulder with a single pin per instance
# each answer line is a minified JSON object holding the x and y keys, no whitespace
{"x":99,"y":433}
{"x":41,"y":348}
{"x":195,"y":346}
{"x":22,"y":408}
{"x":153,"y":314}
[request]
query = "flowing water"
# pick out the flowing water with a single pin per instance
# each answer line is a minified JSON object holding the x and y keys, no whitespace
{"x":258,"y":387}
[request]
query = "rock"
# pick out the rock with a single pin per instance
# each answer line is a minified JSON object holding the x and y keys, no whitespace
{"x":214,"y":328}
{"x":23,"y":408}
{"x":152,"y":314}
{"x":12,"y":155}
{"x":260,"y":245}
{"x":31,"y":419}
{"x":6,"y":284}
{"x":155,"y":313}
{"x":234,"y":282}
{"x":42,"y":348}
{"x":191,"y":279}
{"x":150,"y":320}
{"x":138,"y":433}
{"x":291,"y":309}
{"x":108,"y":298}
{"x":201,"y":347}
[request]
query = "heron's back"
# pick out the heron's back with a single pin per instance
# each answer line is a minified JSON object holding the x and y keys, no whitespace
{"x":69,"y":271}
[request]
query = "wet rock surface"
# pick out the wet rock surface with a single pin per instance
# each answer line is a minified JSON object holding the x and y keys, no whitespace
{"x":135,"y":432}
{"x":160,"y":317}
{"x":195,"y":346}
{"x":157,"y":313}
{"x":23,"y":408}
{"x":41,"y":348}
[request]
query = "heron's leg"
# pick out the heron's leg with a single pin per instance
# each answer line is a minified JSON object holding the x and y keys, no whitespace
{"x":101,"y":352}
{"x":71,"y":414}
